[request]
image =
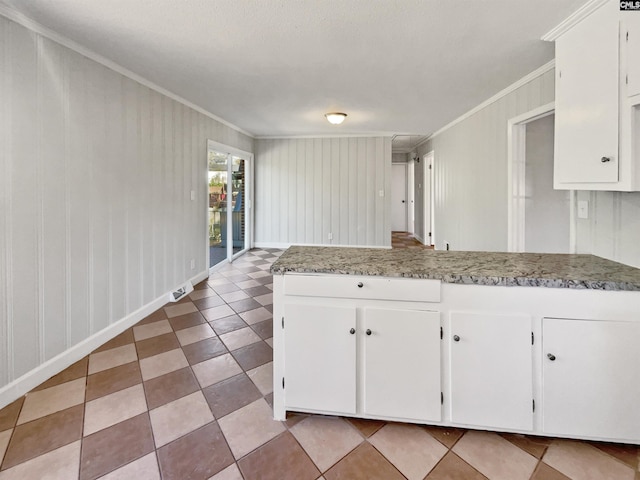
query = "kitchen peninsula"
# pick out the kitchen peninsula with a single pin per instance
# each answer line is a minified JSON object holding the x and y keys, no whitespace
{"x":544,"y":344}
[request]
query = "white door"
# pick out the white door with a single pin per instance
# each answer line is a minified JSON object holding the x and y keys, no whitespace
{"x":427,"y":185}
{"x":411,"y":228}
{"x":320,"y":358}
{"x":399,"y":197}
{"x":591,"y":378}
{"x":491,"y":370}
{"x":402,"y":364}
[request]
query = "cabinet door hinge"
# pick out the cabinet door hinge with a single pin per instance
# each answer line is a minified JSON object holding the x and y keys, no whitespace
{"x":626,"y":79}
{"x":534,"y":404}
{"x":441,"y":398}
{"x":282,"y":322}
{"x":282,"y":382}
{"x":441,"y":334}
{"x":429,"y":234}
{"x":532,"y":338}
{"x":627,"y":35}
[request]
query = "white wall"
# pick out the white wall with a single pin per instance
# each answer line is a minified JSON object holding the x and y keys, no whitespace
{"x":471,"y":170}
{"x":96,"y":219}
{"x":308,"y":188}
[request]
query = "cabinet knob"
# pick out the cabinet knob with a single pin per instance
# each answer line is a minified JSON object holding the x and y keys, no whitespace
{"x":551,"y":356}
{"x":605,"y":159}
{"x":360,"y":284}
{"x":352,"y":331}
{"x":456,"y":338}
{"x":368,"y":332}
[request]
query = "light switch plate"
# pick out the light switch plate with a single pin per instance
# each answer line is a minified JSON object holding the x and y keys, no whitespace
{"x":583,"y":209}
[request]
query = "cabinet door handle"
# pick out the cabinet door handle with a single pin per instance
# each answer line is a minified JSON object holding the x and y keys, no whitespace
{"x":551,"y":356}
{"x":368,"y":332}
{"x":456,"y":338}
{"x":352,"y":331}
{"x":605,"y":159}
{"x":360,"y":284}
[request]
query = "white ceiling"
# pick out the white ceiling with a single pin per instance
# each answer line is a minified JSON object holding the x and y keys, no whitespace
{"x":274,"y":67}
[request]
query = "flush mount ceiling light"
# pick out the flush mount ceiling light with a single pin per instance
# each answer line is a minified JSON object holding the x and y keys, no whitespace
{"x":336,"y":118}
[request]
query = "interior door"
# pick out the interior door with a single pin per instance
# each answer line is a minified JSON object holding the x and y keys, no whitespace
{"x":399,"y":197}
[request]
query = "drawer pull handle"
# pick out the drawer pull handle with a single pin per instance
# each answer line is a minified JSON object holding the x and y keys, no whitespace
{"x":360,"y":284}
{"x":551,"y":356}
{"x":368,"y":332}
{"x":456,"y":338}
{"x":605,"y":159}
{"x":352,"y":331}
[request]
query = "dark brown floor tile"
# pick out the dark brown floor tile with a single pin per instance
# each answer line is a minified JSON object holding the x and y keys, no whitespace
{"x":204,"y":350}
{"x":257,"y":291}
{"x":115,"y":446}
{"x":40,"y":436}
{"x":208,"y":302}
{"x":227,"y":324}
{"x":264,"y":280}
{"x":364,"y":463}
{"x":225,"y":288}
{"x":124,"y":338}
{"x":198,"y":455}
{"x":269,"y":307}
{"x":240,"y":277}
{"x":253,"y":355}
{"x":155,"y":345}
{"x":280,"y":459}
{"x":186,"y":321}
{"x":448,"y":436}
{"x":170,"y":387}
{"x":625,"y":453}
{"x":264,"y":329}
{"x":9,"y":414}
{"x":269,"y":399}
{"x":231,"y":394}
{"x":535,"y":446}
{"x":112,"y":380}
{"x":202,"y":285}
{"x":260,"y":262}
{"x":154,"y":317}
{"x":244,"y":305}
{"x":452,"y":467}
{"x":545,"y":472}
{"x":366,"y":427}
{"x":73,"y":372}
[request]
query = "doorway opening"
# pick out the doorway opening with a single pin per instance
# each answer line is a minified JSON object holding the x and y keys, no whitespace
{"x":229,"y":214}
{"x":399,"y":197}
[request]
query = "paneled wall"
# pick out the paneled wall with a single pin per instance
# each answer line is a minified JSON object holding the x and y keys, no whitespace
{"x":471,"y":171}
{"x":309,"y":188}
{"x":96,"y":217}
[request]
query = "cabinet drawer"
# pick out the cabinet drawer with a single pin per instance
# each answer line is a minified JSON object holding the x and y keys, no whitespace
{"x":366,"y":287}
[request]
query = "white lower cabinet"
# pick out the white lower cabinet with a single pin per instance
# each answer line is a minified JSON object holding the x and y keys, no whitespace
{"x":491,"y":370}
{"x":591,"y":378}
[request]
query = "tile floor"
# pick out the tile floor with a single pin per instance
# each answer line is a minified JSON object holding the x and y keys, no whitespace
{"x":187,"y":392}
{"x":406,"y":240}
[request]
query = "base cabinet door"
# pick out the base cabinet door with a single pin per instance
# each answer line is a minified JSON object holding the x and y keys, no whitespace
{"x":491,"y":370}
{"x":591,"y":378}
{"x":402,"y":364}
{"x":320,"y":358}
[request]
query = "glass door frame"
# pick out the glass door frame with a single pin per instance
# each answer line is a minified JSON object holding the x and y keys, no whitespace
{"x":247,"y":201}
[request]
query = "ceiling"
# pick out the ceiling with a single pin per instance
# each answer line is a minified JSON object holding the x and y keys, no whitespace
{"x":274,"y":67}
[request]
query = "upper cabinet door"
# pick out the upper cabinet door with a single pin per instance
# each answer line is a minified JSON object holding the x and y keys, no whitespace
{"x":587,"y":102}
{"x":631,"y":25}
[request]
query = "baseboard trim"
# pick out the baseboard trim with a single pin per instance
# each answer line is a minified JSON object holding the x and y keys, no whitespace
{"x":55,"y":365}
{"x":284,"y":246}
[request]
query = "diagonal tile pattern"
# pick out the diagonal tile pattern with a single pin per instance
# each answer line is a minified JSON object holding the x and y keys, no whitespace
{"x":187,"y":393}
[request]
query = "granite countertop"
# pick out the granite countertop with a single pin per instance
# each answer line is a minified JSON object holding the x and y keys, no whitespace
{"x":473,"y":268}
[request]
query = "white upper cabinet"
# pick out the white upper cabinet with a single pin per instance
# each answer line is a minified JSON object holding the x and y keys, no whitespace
{"x":593,"y":118}
{"x":631,"y":30}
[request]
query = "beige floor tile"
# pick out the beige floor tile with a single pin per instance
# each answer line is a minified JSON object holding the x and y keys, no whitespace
{"x":259,"y":274}
{"x":234,"y":296}
{"x":269,"y":342}
{"x":180,"y":309}
{"x":217,"y":312}
{"x":232,"y":472}
{"x":326,"y":439}
{"x":269,"y":286}
{"x":410,"y":448}
{"x":266,"y":299}
{"x":4,"y":441}
{"x":262,"y":377}
{"x":145,"y":468}
{"x":219,"y":280}
{"x":579,"y":460}
{"x":239,"y":338}
{"x":249,"y":427}
{"x":495,"y":457}
{"x":177,"y":418}
{"x":50,"y":400}
{"x":112,"y":358}
{"x":248,"y":284}
{"x":204,"y":293}
{"x":216,"y":369}
{"x":152,"y":367}
{"x":60,"y":464}
{"x":149,"y":330}
{"x":256,"y":315}
{"x":114,"y":408}
{"x":194,"y":334}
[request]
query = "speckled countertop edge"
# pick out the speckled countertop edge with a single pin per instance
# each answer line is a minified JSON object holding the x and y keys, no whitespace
{"x":468,"y":268}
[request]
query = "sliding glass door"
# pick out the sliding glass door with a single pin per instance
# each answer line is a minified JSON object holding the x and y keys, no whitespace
{"x":229,"y":212}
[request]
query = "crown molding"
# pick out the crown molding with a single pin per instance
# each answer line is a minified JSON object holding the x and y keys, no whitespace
{"x":36,"y":27}
{"x":576,"y":17}
{"x":302,"y":137}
